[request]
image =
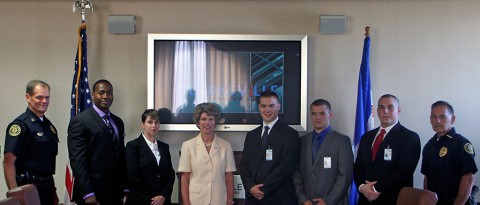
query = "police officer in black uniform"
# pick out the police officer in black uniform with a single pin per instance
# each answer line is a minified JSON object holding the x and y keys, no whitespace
{"x":31,"y":145}
{"x":448,"y":159}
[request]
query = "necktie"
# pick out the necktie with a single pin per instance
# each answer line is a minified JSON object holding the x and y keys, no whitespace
{"x":315,"y":146}
{"x":377,"y":143}
{"x":106,"y":118}
{"x":265,"y":136}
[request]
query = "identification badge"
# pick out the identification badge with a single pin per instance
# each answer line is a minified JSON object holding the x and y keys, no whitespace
{"x":327,"y":162}
{"x":387,"y":156}
{"x":269,"y":154}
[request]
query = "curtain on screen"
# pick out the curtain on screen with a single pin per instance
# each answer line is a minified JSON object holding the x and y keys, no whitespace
{"x":213,"y":74}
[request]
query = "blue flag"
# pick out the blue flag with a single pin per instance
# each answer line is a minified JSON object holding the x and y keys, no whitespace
{"x":364,"y":114}
{"x":80,"y":98}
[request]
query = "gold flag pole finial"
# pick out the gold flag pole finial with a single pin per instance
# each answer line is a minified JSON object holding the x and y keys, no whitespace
{"x":83,"y":5}
{"x":367,"y":31}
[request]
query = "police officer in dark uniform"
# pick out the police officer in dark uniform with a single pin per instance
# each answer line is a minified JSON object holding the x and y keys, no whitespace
{"x":31,"y":145}
{"x":448,"y":159}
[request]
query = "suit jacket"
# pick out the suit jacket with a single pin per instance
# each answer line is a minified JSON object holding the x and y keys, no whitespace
{"x":97,"y":166}
{"x":146,"y":178}
{"x":317,"y":181}
{"x":391,"y":175}
{"x":276,"y":174}
{"x":207,"y":179}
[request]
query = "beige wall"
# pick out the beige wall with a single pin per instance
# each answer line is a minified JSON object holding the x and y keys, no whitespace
{"x":421,"y":51}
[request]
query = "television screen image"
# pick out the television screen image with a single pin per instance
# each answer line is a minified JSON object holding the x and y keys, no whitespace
{"x":230,"y":71}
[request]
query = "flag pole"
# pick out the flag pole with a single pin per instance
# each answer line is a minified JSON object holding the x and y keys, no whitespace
{"x":80,"y":88}
{"x":364,"y":111}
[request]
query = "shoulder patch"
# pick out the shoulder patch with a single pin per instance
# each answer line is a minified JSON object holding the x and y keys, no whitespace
{"x":468,"y":148}
{"x":53,"y":129}
{"x":14,"y":130}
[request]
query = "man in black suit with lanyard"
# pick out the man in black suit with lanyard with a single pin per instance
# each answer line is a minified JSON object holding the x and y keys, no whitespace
{"x":387,"y":157}
{"x":97,"y":151}
{"x":270,"y":156}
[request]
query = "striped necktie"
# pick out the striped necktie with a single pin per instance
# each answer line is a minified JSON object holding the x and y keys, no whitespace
{"x":106,"y":118}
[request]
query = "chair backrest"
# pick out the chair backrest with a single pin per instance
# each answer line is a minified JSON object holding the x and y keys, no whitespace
{"x":414,"y":196}
{"x":26,"y":194}
{"x":10,"y":201}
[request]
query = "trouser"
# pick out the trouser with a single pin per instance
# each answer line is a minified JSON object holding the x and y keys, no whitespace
{"x":45,"y":187}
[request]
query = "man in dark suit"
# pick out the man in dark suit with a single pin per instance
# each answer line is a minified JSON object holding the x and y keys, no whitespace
{"x":149,"y":165}
{"x":269,"y":159}
{"x":325,"y":170}
{"x":97,"y":152}
{"x":387,"y":157}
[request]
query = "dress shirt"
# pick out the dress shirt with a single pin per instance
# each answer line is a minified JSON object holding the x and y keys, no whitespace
{"x":153,"y":147}
{"x":387,"y":129}
{"x":322,"y":134}
{"x":102,"y":114}
{"x":269,"y":126}
{"x":318,"y":136}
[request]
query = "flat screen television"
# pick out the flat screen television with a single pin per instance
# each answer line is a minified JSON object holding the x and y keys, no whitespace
{"x":230,"y":71}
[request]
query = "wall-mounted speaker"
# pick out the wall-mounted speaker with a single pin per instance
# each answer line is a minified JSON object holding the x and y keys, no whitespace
{"x":121,"y":24}
{"x":333,"y":24}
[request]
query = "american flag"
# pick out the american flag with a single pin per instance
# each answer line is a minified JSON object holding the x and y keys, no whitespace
{"x":80,"y":97}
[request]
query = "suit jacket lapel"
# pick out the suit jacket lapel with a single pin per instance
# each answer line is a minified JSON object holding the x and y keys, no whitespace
{"x":387,"y":141}
{"x":96,"y":117}
{"x":214,"y":148}
{"x":370,"y":140}
{"x":272,"y":133}
{"x":308,"y":152}
{"x":391,"y":134}
{"x":200,"y":145}
{"x":145,"y":148}
{"x":258,"y":149}
{"x":325,"y":143}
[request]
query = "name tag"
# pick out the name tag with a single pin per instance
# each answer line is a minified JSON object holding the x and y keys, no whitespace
{"x":269,"y":154}
{"x":327,"y":162}
{"x":387,"y":156}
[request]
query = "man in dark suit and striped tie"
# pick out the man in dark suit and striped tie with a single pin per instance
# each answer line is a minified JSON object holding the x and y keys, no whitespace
{"x":270,"y":155}
{"x":97,"y":151}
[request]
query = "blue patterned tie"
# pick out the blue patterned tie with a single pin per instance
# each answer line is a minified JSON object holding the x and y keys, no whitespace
{"x":265,"y":136}
{"x":106,"y":118}
{"x":315,"y":146}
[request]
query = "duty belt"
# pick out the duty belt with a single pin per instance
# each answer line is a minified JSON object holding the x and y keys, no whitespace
{"x":27,"y":178}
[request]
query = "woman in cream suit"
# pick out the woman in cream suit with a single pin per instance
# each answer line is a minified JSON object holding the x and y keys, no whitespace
{"x":207,"y":162}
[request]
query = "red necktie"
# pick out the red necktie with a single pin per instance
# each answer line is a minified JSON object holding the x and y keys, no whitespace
{"x":377,"y":143}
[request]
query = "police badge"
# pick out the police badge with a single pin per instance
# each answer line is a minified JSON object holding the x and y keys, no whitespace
{"x":443,"y":152}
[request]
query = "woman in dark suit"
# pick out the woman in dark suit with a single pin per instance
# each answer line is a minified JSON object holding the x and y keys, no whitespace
{"x":149,"y":166}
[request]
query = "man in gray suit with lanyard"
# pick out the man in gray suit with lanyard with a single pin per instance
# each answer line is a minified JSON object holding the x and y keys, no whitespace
{"x":325,"y":170}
